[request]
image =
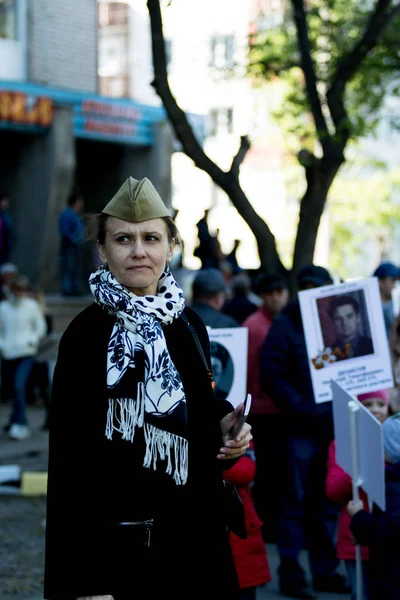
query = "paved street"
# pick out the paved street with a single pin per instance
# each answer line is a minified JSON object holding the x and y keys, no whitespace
{"x":22,"y":519}
{"x":22,"y":522}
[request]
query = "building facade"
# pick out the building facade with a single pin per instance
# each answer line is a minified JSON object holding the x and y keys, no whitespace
{"x":58,"y":134}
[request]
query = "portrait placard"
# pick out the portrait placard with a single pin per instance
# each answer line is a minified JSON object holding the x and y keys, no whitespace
{"x":368,"y":442}
{"x":346,"y":338}
{"x":229,"y":363}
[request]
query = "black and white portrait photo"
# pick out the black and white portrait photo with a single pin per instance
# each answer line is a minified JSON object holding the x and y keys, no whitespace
{"x":345,"y":325}
{"x":222,"y":370}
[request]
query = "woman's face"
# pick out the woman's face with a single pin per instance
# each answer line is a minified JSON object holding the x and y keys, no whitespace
{"x":136,"y":253}
{"x":377,"y":407}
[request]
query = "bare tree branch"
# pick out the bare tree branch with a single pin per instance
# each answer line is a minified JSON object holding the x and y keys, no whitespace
{"x":307,"y":66}
{"x":379,"y":19}
{"x":228,"y":181}
{"x":176,"y":115}
{"x":241,"y":153}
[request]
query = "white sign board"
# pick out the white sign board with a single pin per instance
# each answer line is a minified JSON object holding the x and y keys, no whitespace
{"x":346,"y":338}
{"x":229,"y":363}
{"x":369,"y":445}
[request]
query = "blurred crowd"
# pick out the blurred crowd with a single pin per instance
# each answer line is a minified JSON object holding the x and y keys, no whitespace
{"x":301,"y":497}
{"x":27,"y":349}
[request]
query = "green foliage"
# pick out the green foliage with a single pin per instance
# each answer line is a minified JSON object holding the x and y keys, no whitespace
{"x":364,"y":213}
{"x":334,"y":26}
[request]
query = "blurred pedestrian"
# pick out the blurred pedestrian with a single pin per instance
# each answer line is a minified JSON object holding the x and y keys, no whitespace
{"x":249,"y":555}
{"x":71,"y":227}
{"x":340,"y":490}
{"x":208,"y":249}
{"x":208,"y":297}
{"x":8,"y":271}
{"x":231,"y":258}
{"x":308,"y":519}
{"x":137,"y":440}
{"x":22,"y":326}
{"x":380,"y":530}
{"x":41,"y":377}
{"x":387,"y":274}
{"x":265,"y":417}
{"x":238,"y":305}
{"x":6,"y":229}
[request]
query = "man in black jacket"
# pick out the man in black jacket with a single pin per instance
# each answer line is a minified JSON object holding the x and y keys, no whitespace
{"x":308,"y":519}
{"x":208,"y":297}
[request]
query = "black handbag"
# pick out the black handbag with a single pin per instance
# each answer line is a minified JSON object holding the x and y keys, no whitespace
{"x":233,"y":505}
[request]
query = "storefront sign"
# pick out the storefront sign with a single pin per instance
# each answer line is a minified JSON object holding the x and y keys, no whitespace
{"x":24,"y":109}
{"x":109,"y":127}
{"x":110,"y":121}
{"x":105,"y":109}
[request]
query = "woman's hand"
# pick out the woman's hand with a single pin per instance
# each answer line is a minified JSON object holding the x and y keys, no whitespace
{"x":354,"y":507}
{"x":106,"y":597}
{"x":237,"y":447}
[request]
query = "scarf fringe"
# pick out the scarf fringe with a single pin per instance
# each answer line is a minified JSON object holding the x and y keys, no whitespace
{"x":158,"y":447}
{"x":125,"y":414}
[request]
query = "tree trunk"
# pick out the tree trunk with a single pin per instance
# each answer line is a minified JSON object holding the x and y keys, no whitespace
{"x":226,"y":180}
{"x":320,"y":177}
{"x":266,"y":244}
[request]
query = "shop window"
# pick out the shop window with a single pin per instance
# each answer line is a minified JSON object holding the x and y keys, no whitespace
{"x":113,"y":13}
{"x":116,"y":87}
{"x":221,"y":121}
{"x":222,"y":51}
{"x":8,"y":19}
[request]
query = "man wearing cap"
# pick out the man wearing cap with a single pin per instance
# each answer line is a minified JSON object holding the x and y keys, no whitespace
{"x":208,"y":297}
{"x":239,"y":306}
{"x":265,"y":417}
{"x":307,"y":518}
{"x":387,"y":274}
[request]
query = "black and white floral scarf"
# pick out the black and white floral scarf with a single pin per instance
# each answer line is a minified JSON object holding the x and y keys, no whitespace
{"x":158,"y":405}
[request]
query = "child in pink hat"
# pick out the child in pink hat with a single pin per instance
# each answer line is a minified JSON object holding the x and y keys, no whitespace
{"x":339,"y":489}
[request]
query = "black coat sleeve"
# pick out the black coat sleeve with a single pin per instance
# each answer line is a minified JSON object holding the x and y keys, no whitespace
{"x":379,"y":529}
{"x":221,"y":407}
{"x":74,"y":536}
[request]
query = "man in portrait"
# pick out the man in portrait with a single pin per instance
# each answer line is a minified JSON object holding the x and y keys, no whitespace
{"x":344,"y":311}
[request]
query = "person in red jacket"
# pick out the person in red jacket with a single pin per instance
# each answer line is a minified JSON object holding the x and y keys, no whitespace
{"x":265,"y":417}
{"x":339,"y":489}
{"x":249,"y":555}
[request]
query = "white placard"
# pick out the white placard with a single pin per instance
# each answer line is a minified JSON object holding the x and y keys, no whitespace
{"x":346,"y":338}
{"x":370,"y":452}
{"x":229,"y":363}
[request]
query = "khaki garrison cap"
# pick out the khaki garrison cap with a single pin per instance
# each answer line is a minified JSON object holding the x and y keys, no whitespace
{"x":136,"y":201}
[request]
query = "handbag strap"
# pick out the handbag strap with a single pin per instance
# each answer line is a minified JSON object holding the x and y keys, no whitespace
{"x":199,"y":347}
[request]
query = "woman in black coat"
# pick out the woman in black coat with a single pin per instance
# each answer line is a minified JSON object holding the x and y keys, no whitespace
{"x":137,"y":440}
